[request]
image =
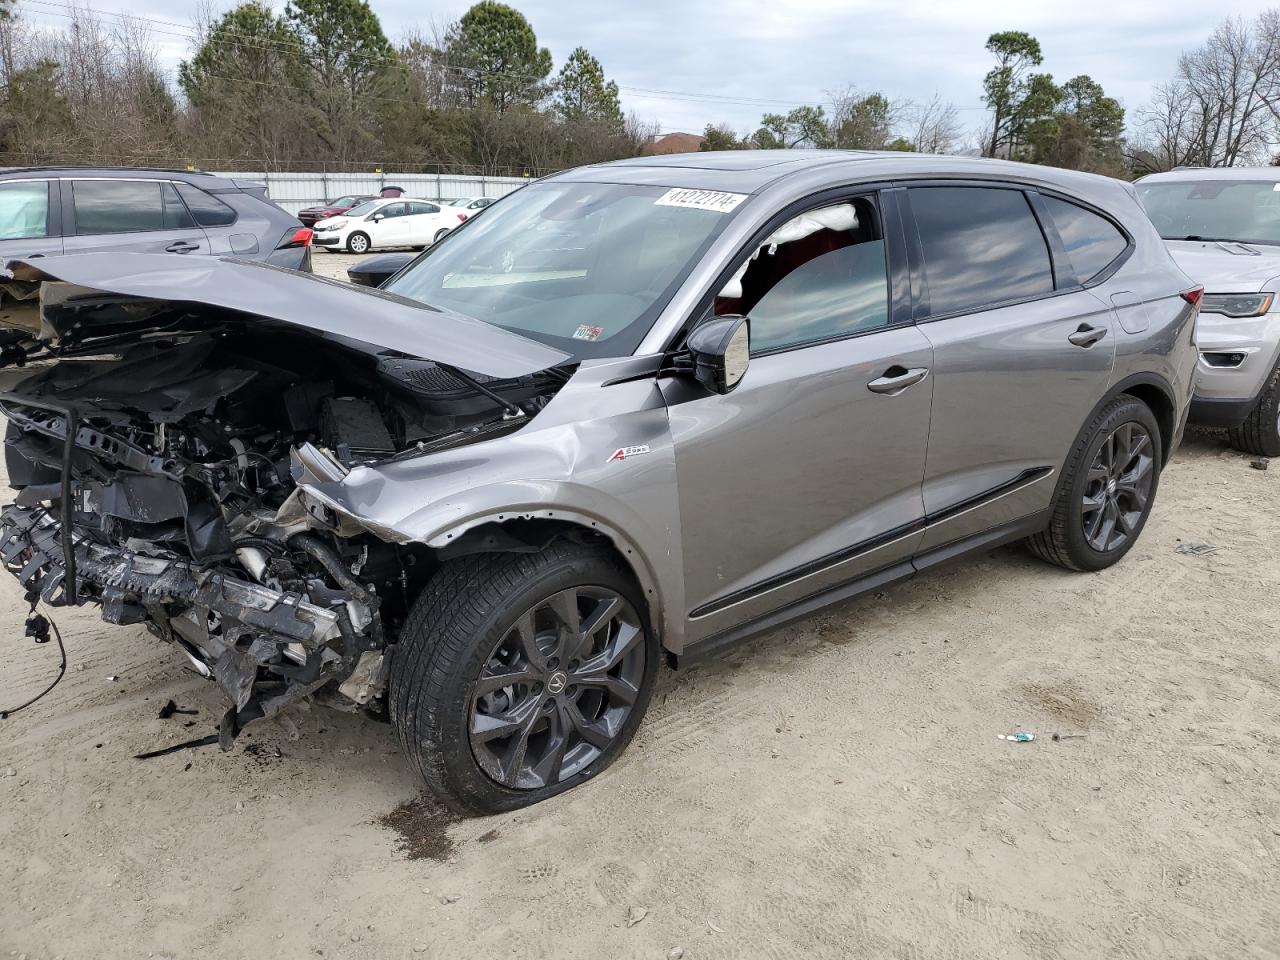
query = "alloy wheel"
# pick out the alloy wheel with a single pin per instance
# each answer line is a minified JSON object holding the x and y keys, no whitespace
{"x":1118,"y":487}
{"x":558,"y":688}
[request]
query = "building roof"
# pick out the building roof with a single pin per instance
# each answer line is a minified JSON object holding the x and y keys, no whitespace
{"x":675,"y":143}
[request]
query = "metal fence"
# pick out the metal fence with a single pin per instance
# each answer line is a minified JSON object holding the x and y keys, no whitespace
{"x":293,"y":191}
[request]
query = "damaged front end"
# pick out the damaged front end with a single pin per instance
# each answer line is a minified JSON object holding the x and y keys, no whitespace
{"x":159,"y":463}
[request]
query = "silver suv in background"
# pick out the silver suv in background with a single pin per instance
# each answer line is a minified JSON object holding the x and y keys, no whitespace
{"x":1223,"y":228}
{"x":636,"y":411}
{"x":45,"y":211}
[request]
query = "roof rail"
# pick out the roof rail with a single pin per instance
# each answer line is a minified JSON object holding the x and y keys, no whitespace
{"x":103,"y":166}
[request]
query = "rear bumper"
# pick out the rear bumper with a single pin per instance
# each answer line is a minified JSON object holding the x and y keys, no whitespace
{"x":1219,"y":411}
{"x":264,"y":647}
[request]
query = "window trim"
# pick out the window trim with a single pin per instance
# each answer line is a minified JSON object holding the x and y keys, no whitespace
{"x":1107,"y":272}
{"x":52,"y":212}
{"x":71,"y":221}
{"x":895,"y":264}
{"x":235,"y":214}
{"x":922,"y":304}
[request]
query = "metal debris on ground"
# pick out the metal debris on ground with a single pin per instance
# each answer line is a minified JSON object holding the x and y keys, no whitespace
{"x":1194,"y":549}
{"x":170,"y":708}
{"x":1067,"y":736}
{"x":1260,"y":464}
{"x":1019,"y":736}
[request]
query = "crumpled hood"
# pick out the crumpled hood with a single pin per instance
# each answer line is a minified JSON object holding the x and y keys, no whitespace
{"x":1226,"y":267}
{"x":306,"y":301}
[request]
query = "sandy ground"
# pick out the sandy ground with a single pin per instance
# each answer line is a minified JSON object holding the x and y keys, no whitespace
{"x":836,"y":789}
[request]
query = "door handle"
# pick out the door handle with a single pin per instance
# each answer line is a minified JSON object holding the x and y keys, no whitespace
{"x":1087,"y":336}
{"x":182,"y":246}
{"x":896,"y":379}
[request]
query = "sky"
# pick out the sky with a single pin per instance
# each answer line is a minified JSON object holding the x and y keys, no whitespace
{"x":683,"y":64}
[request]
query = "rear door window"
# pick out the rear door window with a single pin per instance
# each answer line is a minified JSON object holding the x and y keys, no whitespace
{"x":118,"y":206}
{"x":24,"y":210}
{"x":981,"y":245}
{"x":207,"y":209}
{"x":1093,"y":242}
{"x":421,"y":206}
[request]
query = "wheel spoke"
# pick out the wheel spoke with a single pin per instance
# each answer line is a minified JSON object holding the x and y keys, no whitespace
{"x":516,"y":750}
{"x":565,"y":607}
{"x":486,"y":726}
{"x":593,"y":732}
{"x":604,"y":611}
{"x":1128,"y":520}
{"x":527,"y":635}
{"x":548,"y":768}
{"x":1091,"y":504}
{"x":495,"y":677}
{"x":620,"y":691}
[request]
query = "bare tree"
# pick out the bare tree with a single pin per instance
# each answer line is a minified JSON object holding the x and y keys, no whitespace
{"x":935,"y":126}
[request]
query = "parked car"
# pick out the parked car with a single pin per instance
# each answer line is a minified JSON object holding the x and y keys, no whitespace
{"x":378,"y":224}
{"x":489,"y":499}
{"x":46,"y":211}
{"x":469,"y":205}
{"x":376,"y":270}
{"x":331,"y":208}
{"x":1223,"y":228}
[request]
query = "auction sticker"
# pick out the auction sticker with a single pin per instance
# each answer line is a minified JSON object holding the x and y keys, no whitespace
{"x":715,"y":200}
{"x":586,"y":331}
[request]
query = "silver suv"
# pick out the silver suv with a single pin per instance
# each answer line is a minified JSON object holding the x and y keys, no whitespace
{"x":1223,"y":228}
{"x":45,"y":211}
{"x":644,"y":408}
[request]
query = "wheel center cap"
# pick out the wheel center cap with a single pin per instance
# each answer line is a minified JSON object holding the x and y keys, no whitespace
{"x":556,"y":684}
{"x":1111,"y":487}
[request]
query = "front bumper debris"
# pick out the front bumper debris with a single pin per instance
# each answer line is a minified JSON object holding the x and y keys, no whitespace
{"x":265,"y":648}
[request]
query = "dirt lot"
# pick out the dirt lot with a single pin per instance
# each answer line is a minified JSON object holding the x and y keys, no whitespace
{"x":836,"y":789}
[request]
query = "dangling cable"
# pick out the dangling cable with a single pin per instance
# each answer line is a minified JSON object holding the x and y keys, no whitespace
{"x":38,"y":628}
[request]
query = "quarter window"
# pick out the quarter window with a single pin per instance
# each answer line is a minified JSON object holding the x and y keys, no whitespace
{"x":981,"y":246}
{"x":1092,"y":242}
{"x":24,"y":210}
{"x":820,"y":276}
{"x":207,"y":209}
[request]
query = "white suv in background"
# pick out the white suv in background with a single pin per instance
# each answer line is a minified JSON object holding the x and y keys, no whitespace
{"x":383,"y":223}
{"x":1223,"y":228}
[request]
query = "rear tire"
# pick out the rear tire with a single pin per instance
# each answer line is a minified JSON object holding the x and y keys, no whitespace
{"x":484,"y":660}
{"x":1106,"y":489}
{"x":439,"y":235}
{"x":358,"y":243}
{"x":1260,"y":432}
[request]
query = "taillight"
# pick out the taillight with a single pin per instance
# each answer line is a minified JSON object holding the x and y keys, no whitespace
{"x":462,"y":216}
{"x":300,"y":238}
{"x":1193,"y":296}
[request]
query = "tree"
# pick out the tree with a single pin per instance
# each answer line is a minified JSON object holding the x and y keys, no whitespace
{"x":935,"y":126}
{"x":247,"y":85}
{"x":1006,"y":86}
{"x":862,"y":121}
{"x":721,"y":137}
{"x":581,"y":92}
{"x":37,"y":123}
{"x":350,"y":61}
{"x":802,"y":127}
{"x":495,"y":60}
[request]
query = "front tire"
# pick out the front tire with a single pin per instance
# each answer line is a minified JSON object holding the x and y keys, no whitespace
{"x":1260,"y":432}
{"x":1106,"y":490}
{"x":519,"y":676}
{"x":358,"y":243}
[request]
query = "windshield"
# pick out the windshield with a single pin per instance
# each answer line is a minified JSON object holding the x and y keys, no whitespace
{"x":584,"y":267}
{"x":454,"y":203}
{"x":342,"y":202}
{"x":362,"y":209}
{"x":1246,"y":211}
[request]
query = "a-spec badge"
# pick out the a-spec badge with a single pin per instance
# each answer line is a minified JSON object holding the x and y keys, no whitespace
{"x":622,"y":453}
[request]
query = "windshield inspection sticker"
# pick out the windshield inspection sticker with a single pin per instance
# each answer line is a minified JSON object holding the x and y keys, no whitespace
{"x":587,"y":332}
{"x":700,"y":199}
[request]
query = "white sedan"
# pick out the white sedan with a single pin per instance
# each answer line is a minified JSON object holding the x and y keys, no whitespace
{"x":378,"y":224}
{"x":470,"y":206}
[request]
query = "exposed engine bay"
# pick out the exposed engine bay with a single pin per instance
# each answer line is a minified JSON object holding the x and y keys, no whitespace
{"x":158,"y":465}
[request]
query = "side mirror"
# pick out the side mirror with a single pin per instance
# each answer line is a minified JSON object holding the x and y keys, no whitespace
{"x":719,"y":351}
{"x":376,"y":218}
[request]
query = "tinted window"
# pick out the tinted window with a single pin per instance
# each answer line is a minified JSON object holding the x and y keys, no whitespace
{"x":118,"y":206}
{"x":1243,"y":210}
{"x":207,"y":209}
{"x":24,"y":210}
{"x":418,"y":207}
{"x":395,"y":210}
{"x":981,"y":246}
{"x":1092,"y":241}
{"x":176,"y":216}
